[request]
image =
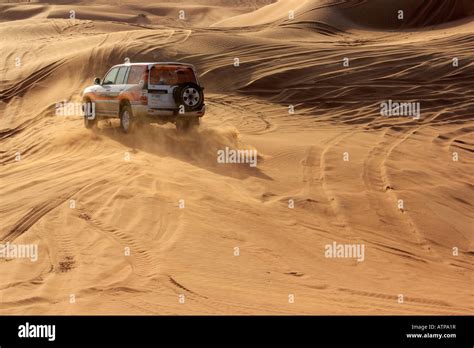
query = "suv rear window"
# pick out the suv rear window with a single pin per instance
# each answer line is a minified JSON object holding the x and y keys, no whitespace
{"x":136,"y":74}
{"x":171,"y":75}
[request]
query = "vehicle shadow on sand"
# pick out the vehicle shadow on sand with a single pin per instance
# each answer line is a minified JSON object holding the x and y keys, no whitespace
{"x":198,"y":147}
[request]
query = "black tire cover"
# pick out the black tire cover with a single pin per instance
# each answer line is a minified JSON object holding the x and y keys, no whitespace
{"x":178,"y":95}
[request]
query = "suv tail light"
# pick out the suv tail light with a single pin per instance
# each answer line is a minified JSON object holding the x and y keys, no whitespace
{"x":144,"y":97}
{"x":145,"y":79}
{"x":144,"y":91}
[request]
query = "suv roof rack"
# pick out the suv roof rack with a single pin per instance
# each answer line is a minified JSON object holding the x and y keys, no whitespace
{"x":155,"y":63}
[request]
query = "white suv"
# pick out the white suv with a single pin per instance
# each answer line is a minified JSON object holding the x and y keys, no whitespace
{"x":137,"y":92}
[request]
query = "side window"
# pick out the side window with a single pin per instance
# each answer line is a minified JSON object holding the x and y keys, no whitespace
{"x":136,"y":74}
{"x":109,"y":79}
{"x":121,"y":75}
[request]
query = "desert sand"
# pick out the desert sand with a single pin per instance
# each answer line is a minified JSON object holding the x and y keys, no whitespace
{"x":236,"y":246}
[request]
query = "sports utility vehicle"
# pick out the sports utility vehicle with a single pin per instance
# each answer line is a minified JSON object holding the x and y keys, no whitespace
{"x":157,"y":92}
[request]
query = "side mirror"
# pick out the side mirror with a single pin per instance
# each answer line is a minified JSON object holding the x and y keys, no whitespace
{"x":97,"y":81}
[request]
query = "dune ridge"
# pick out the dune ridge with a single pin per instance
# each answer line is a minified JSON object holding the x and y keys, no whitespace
{"x":351,"y":14}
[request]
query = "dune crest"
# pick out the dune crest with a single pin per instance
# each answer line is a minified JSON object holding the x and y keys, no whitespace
{"x":353,"y":14}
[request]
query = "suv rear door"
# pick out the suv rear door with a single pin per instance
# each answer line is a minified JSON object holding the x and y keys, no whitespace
{"x":162,"y":80}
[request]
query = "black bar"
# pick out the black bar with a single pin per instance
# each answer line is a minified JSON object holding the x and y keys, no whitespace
{"x":218,"y":330}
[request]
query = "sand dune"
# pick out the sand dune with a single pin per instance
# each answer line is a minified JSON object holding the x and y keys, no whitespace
{"x":351,"y":14}
{"x":198,"y":13}
{"x":134,"y":205}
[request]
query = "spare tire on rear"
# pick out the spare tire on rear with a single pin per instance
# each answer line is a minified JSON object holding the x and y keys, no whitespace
{"x":189,"y":95}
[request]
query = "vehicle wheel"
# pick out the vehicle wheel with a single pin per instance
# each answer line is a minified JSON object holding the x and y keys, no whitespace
{"x":190,"y":95}
{"x":90,"y":121}
{"x":127,"y":121}
{"x":185,"y":125}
